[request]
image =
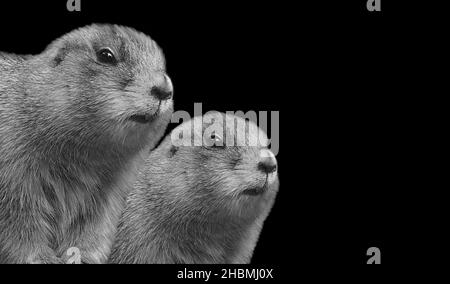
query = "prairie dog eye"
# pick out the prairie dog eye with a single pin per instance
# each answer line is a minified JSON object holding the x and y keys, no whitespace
{"x":216,"y":140}
{"x":106,"y":56}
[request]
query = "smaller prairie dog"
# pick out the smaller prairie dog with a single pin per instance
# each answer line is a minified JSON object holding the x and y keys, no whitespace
{"x":200,"y":204}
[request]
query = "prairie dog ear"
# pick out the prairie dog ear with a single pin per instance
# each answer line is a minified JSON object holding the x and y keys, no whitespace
{"x":172,"y":151}
{"x":56,"y":52}
{"x":58,"y":55}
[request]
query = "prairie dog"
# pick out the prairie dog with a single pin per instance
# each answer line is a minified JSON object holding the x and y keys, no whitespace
{"x":200,"y":204}
{"x":74,"y":122}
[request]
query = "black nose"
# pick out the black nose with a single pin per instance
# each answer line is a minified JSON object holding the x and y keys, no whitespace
{"x":160,"y":93}
{"x":267,"y":165}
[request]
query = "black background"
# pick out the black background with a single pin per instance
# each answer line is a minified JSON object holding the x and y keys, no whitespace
{"x":332,"y":71}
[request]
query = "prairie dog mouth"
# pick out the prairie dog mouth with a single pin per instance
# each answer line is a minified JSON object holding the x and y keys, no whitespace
{"x":254,"y":191}
{"x":257,"y":190}
{"x":145,"y":117}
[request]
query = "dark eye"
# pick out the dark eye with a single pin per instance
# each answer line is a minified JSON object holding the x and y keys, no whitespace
{"x":106,"y":56}
{"x":216,"y":140}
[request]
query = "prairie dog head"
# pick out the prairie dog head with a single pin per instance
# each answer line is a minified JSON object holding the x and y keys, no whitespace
{"x":106,"y":79}
{"x":224,"y":165}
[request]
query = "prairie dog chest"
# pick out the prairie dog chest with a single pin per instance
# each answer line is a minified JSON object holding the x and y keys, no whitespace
{"x":86,"y":216}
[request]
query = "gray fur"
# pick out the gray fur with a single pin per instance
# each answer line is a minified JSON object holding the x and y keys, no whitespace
{"x":68,"y":151}
{"x":187,"y":205}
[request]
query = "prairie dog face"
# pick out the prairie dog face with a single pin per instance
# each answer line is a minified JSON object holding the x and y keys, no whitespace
{"x":112,"y":76}
{"x":232,"y":172}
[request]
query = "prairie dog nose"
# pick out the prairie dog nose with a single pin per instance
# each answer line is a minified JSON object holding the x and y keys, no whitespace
{"x":267,"y":162}
{"x":163,"y":88}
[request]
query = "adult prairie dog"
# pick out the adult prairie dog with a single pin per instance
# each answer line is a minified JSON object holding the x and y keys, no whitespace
{"x":200,"y":204}
{"x":74,"y":122}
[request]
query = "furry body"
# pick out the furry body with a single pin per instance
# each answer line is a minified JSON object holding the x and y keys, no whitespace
{"x":198,"y":204}
{"x":68,"y":147}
